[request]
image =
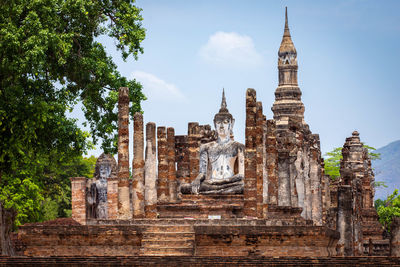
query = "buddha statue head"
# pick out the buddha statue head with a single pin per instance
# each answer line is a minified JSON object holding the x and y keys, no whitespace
{"x":223,"y":121}
{"x":106,"y":167}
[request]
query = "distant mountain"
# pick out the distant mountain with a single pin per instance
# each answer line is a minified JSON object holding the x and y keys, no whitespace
{"x":387,"y":169}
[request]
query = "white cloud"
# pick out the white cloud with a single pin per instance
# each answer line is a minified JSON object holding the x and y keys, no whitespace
{"x":230,"y":49}
{"x":157,"y":89}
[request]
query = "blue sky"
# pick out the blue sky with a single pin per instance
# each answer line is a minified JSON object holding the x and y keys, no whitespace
{"x":348,"y":56}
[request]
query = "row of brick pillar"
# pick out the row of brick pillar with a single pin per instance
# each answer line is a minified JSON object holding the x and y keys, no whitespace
{"x":146,"y":190}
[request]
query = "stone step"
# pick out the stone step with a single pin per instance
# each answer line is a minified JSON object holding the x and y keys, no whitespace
{"x":168,"y":243}
{"x":168,"y":236}
{"x":169,"y":228}
{"x":167,"y":251}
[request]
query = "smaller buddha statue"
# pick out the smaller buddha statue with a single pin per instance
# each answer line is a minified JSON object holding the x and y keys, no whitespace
{"x":97,"y":192}
{"x":221,"y":169}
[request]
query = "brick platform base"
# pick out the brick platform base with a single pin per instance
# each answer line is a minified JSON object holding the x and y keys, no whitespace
{"x":199,"y":261}
{"x":177,"y":237}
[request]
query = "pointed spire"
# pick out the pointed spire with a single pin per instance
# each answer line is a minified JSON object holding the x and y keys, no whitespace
{"x":286,"y":32}
{"x":223,"y":111}
{"x":287,"y":45}
{"x":223,"y":102}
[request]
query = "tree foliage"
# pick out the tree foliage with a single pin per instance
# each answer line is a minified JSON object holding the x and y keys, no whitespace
{"x":57,"y":199}
{"x":388,"y":209}
{"x":332,"y":161}
{"x":49,"y":60}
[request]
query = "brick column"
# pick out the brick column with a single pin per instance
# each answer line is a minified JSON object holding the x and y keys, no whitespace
{"x":395,"y":237}
{"x":172,"y":184}
{"x":272,"y":163}
{"x":112,"y":198}
{"x":307,"y":209}
{"x":124,"y":209}
{"x":325,"y":194}
{"x":151,"y":172}
{"x":284,"y":196}
{"x":193,"y":148}
{"x":259,"y":157}
{"x":162,"y":190}
{"x":265,"y":172}
{"x":315,"y":176}
{"x":250,"y":166}
{"x":78,"y":199}
{"x":345,"y":221}
{"x":182,"y":158}
{"x":138,"y":167}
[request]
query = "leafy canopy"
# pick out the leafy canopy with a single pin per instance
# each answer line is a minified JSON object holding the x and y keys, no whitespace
{"x":49,"y":60}
{"x":388,"y":209}
{"x":57,"y":197}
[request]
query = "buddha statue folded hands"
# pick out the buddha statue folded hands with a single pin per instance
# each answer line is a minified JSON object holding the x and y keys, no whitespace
{"x":221,"y":169}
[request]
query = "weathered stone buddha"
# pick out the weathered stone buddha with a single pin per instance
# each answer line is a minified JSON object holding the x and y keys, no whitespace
{"x":97,"y":193}
{"x":221,"y":168}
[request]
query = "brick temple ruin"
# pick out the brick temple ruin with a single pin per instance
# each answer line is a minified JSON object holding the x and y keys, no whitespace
{"x":288,"y":206}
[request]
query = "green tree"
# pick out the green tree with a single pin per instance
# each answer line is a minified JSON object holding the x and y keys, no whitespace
{"x":332,"y":162}
{"x":49,"y":60}
{"x":57,"y":199}
{"x":388,"y":209}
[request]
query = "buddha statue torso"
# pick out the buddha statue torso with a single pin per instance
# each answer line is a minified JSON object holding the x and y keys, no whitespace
{"x":221,"y":169}
{"x":97,"y":193}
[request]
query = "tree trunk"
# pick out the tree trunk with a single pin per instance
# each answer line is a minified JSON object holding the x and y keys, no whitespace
{"x":6,"y":221}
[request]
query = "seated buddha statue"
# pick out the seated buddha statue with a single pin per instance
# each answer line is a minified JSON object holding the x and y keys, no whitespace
{"x":221,"y":169}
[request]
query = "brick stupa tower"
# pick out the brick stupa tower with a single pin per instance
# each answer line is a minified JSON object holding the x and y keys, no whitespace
{"x":288,"y":95}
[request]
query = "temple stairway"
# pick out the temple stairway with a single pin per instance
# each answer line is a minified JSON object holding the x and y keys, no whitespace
{"x":173,"y":240}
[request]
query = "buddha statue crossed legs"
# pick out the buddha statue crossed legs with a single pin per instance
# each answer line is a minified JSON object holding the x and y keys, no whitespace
{"x":221,"y":168}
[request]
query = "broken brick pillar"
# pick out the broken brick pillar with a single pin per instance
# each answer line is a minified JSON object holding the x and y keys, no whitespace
{"x":293,"y":172}
{"x":395,"y":237}
{"x":265,"y":171}
{"x":284,"y":196}
{"x":150,"y":174}
{"x":315,"y":177}
{"x":182,"y":158}
{"x":345,"y":221}
{"x":250,"y":164}
{"x":162,"y":189}
{"x":325,"y":194}
{"x":194,"y":149}
{"x":78,"y":199}
{"x":138,"y":167}
{"x":112,"y":198}
{"x":272,"y":163}
{"x":259,"y":139}
{"x":124,"y":207}
{"x":299,"y":168}
{"x":307,"y":200}
{"x":172,"y":184}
